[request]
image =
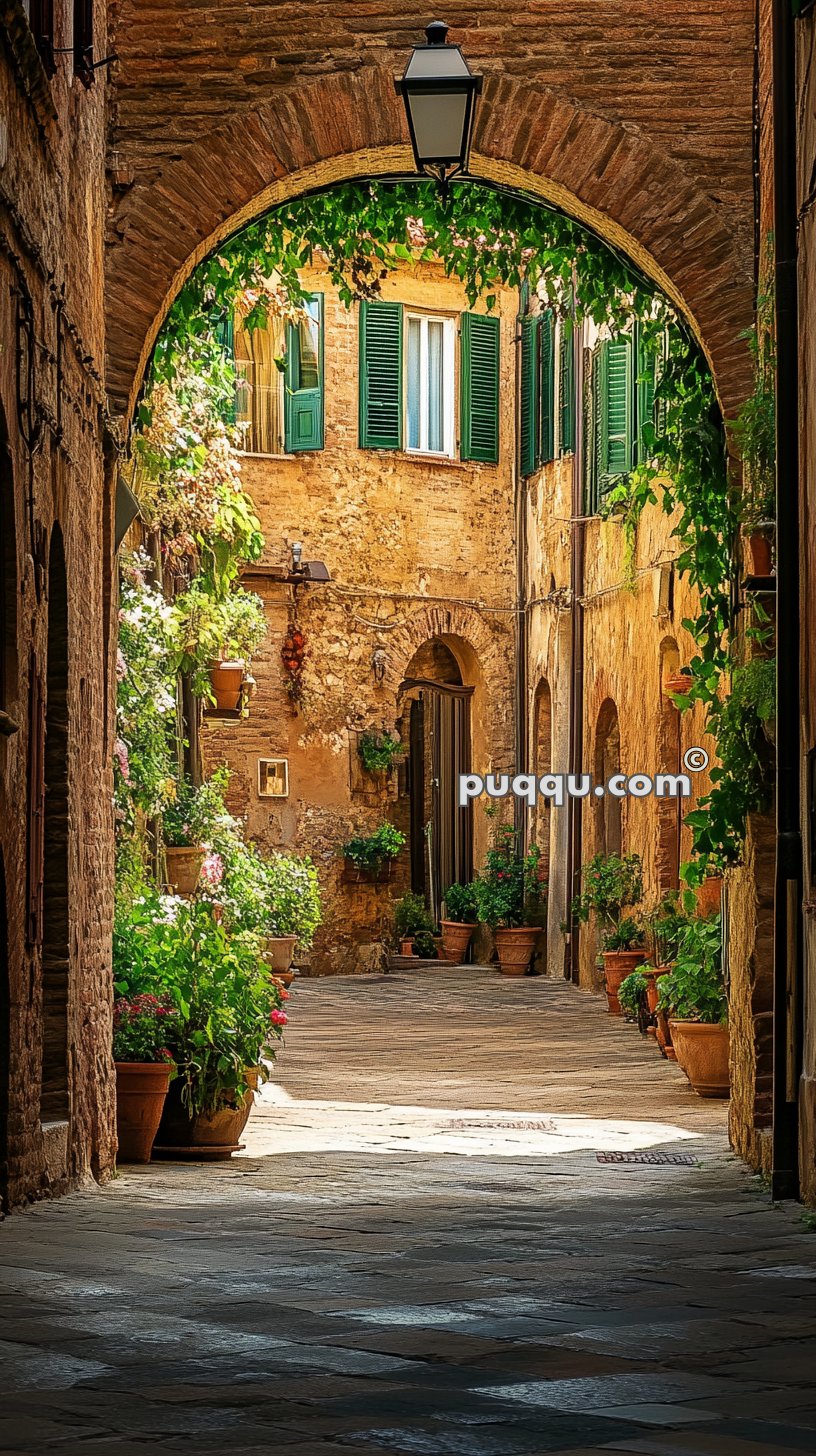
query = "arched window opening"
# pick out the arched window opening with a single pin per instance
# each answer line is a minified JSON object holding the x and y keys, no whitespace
{"x":54,"y":1101}
{"x":607,"y":763}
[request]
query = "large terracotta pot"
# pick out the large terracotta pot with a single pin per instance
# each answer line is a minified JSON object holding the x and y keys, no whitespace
{"x":456,"y":936}
{"x":225,"y":680}
{"x":618,"y":964}
{"x":183,"y":867}
{"x":709,"y":895}
{"x":702,"y":1051}
{"x":207,"y":1136}
{"x":278,"y":952}
{"x":652,"y":988}
{"x":515,"y":948}
{"x":141,"y":1089}
{"x":663,"y":1034}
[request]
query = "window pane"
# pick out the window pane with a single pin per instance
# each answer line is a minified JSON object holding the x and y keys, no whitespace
{"x":309,"y":348}
{"x":436,"y":411}
{"x":414,"y":346}
{"x":259,"y":387}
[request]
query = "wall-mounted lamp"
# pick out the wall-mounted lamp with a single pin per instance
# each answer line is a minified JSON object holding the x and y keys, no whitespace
{"x":439,"y":91}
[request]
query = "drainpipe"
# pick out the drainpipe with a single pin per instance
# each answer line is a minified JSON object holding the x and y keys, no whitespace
{"x":576,"y":694}
{"x":788,"y":998}
{"x":520,"y":807}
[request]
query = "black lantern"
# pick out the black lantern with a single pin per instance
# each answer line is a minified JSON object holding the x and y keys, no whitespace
{"x":439,"y":90}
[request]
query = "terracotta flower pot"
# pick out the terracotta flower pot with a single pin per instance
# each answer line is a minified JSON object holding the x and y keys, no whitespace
{"x":207,"y":1136}
{"x":183,"y":867}
{"x":663,"y":1035}
{"x":225,"y":680}
{"x":355,"y":875}
{"x":709,"y":895}
{"x":141,"y":1089}
{"x":618,"y":964}
{"x":278,"y":952}
{"x":652,"y":988}
{"x":515,"y":948}
{"x":677,"y":682}
{"x":407,"y":945}
{"x":761,"y":554}
{"x":702,"y":1051}
{"x":456,"y":937}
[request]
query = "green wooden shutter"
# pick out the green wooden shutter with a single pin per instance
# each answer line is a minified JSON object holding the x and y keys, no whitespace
{"x":479,"y":388}
{"x":380,"y":375}
{"x":529,"y":394}
{"x":225,"y":334}
{"x":547,"y":387}
{"x":646,"y":378}
{"x":617,"y":413}
{"x":303,"y":411}
{"x":593,"y":453}
{"x":566,"y":390}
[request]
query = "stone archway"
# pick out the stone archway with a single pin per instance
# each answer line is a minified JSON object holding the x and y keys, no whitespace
{"x":608,"y":174}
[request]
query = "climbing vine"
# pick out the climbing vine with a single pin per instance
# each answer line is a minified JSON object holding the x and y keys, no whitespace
{"x":359,"y":233}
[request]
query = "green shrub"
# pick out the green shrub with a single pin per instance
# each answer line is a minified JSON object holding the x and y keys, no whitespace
{"x":373,"y":851}
{"x":695,"y":989}
{"x":508,"y":891}
{"x":627,"y":935}
{"x":461,"y":904}
{"x":379,"y":751}
{"x":631,"y":993}
{"x":411,"y":917}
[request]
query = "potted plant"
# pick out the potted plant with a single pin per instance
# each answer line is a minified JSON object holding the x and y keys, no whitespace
{"x":694,"y":999}
{"x":508,"y":892}
{"x":182,"y":834}
{"x":664,"y":925}
{"x":379,"y":751}
{"x":293,"y":909}
{"x":144,"y":1066}
{"x":611,"y":884}
{"x":229,"y":1015}
{"x":462,"y":913}
{"x":414,"y":927}
{"x":755,"y":430}
{"x":632,"y":997}
{"x":704,"y":876}
{"x":369,"y":858}
{"x":624,"y":949}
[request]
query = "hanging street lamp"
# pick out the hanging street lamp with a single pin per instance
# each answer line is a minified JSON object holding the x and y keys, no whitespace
{"x":439,"y":91}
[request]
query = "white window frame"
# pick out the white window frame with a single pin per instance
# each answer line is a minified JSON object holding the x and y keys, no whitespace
{"x":448,"y":450}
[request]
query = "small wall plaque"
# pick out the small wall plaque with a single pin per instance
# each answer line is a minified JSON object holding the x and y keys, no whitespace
{"x":273,"y":778}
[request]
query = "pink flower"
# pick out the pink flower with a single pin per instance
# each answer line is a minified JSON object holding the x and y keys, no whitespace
{"x":121,"y":665}
{"x":120,"y":753}
{"x":212,"y":869}
{"x":278,"y":1018}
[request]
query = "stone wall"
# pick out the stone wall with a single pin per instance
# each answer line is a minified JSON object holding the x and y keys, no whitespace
{"x":750,"y":926}
{"x":418,"y":549}
{"x":56,"y":503}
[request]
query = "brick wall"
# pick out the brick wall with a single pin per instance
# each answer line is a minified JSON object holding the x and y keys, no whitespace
{"x":51,"y":236}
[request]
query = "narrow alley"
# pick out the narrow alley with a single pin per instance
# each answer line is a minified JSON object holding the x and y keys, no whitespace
{"x":449,"y":1232}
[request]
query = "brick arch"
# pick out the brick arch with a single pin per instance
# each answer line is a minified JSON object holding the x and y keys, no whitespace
{"x":442,"y":622}
{"x":607,"y":174}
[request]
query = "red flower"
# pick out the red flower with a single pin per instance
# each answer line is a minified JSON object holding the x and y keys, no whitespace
{"x":278,"y":1018}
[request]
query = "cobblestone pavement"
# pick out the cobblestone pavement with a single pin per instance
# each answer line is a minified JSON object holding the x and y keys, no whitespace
{"x":420,"y":1251}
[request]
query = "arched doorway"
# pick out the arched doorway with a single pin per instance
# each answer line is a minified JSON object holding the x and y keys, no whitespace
{"x":436,"y":724}
{"x":608,"y":829}
{"x":54,"y":1090}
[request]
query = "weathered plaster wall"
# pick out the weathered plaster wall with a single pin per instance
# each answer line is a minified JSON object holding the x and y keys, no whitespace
{"x":52,"y":196}
{"x":417,"y":548}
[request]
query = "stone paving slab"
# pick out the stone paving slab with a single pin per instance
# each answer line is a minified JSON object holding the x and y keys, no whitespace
{"x":419,"y":1251}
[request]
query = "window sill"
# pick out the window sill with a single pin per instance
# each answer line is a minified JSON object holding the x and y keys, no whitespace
{"x":28,"y":60}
